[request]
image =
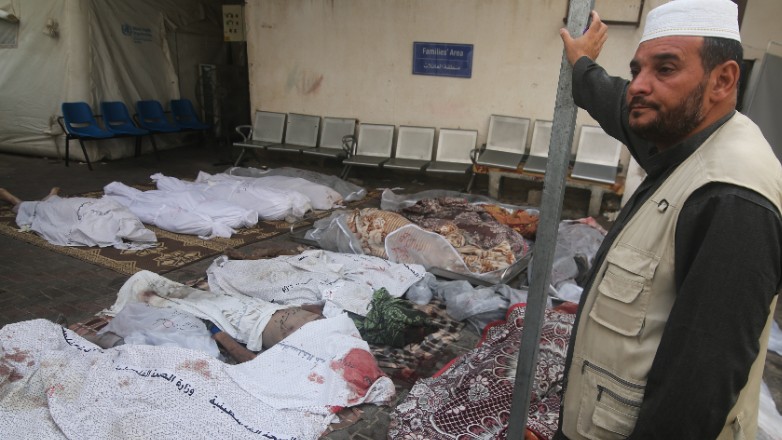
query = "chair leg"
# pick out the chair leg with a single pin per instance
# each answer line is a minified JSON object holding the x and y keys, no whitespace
{"x":86,"y":157}
{"x":67,"y":147}
{"x":345,"y":171}
{"x":239,"y":159}
{"x":154,"y":146}
{"x":257,"y":159}
{"x":469,"y":184}
{"x":138,"y":146}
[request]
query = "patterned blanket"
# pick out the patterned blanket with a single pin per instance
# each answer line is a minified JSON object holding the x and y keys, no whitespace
{"x":471,"y":398}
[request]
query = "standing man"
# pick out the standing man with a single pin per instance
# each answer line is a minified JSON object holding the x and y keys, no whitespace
{"x":672,"y":330}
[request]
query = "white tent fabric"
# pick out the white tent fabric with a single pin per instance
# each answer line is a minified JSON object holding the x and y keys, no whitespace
{"x":101,"y":51}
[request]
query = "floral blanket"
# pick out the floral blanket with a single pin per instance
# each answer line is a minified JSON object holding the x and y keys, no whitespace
{"x":471,"y":398}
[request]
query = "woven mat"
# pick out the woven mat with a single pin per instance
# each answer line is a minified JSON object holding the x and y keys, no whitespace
{"x":173,"y":251}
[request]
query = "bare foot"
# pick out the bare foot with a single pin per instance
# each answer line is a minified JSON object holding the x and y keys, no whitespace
{"x":8,"y":197}
{"x":52,"y":192}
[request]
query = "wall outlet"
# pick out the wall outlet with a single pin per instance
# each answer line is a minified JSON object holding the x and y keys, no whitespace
{"x":233,"y":23}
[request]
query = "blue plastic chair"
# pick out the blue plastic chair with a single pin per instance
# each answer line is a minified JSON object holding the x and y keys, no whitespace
{"x":117,"y":120}
{"x":185,"y":115}
{"x":152,"y":117}
{"x":78,"y":122}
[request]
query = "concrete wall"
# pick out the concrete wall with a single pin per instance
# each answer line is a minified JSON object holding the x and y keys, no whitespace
{"x":353,"y":58}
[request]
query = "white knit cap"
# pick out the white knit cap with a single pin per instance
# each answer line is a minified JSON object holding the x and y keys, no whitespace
{"x":701,"y":18}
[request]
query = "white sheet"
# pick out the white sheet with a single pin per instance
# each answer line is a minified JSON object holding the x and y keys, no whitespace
{"x":81,"y":221}
{"x":314,"y":276}
{"x":269,"y":203}
{"x":183,"y":212}
{"x":325,"y":364}
{"x":242,"y":317}
{"x":350,"y":192}
{"x":56,"y":385}
{"x":320,"y":196}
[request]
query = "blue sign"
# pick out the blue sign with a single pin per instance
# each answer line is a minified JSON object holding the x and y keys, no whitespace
{"x":442,"y":59}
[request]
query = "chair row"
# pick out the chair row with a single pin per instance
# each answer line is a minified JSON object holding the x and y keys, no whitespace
{"x":596,"y":159}
{"x":360,"y":144}
{"x":79,"y":122}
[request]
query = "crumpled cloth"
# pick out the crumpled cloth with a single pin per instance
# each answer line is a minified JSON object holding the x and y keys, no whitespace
{"x":390,"y":319}
{"x":240,"y":316}
{"x":56,"y":385}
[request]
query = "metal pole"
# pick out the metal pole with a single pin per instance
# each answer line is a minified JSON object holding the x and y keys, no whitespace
{"x":563,"y":127}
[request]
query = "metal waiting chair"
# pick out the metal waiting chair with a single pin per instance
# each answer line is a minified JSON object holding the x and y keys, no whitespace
{"x":372,"y":148}
{"x":454,"y":149}
{"x":78,"y":122}
{"x":505,"y":143}
{"x":413,"y":148}
{"x":597,"y":157}
{"x":117,"y":120}
{"x":538,"y":149}
{"x":333,"y":131}
{"x":301,"y":132}
{"x":185,"y":116}
{"x":267,"y":129}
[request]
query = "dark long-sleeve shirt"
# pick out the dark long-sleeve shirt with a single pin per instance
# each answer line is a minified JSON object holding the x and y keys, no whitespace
{"x":728,"y":267}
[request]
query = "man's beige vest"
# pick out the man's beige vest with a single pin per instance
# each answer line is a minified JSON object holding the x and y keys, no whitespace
{"x":631,"y":297}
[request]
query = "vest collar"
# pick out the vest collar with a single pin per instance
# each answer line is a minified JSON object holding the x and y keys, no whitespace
{"x":660,"y":162}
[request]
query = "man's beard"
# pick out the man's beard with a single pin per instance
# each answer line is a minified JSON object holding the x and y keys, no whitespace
{"x":675,"y":125}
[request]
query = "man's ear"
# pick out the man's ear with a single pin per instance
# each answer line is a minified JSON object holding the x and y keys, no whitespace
{"x":725,"y":81}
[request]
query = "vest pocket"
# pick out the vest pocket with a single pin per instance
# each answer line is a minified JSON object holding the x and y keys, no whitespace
{"x":609,"y":406}
{"x":623,"y":293}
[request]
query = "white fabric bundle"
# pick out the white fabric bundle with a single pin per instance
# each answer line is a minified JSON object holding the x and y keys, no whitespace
{"x":350,"y":192}
{"x":56,"y":385}
{"x":242,"y":317}
{"x":269,"y":203}
{"x":701,"y":18}
{"x":184,"y":212}
{"x":320,"y":196}
{"x":142,"y":324}
{"x":314,"y":276}
{"x":325,"y":363}
{"x":82,"y":221}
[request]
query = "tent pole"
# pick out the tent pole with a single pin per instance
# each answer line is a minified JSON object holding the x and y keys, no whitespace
{"x":563,"y":128}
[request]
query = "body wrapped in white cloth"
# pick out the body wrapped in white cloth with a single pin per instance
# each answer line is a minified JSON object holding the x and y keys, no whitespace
{"x":82,"y":221}
{"x":269,"y":203}
{"x":183,"y":212}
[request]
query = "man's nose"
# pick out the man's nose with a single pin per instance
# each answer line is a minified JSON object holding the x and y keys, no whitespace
{"x":640,"y":85}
